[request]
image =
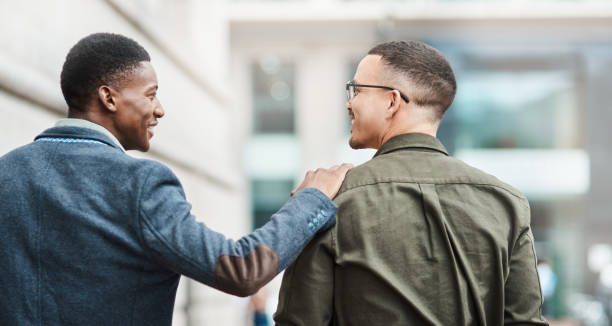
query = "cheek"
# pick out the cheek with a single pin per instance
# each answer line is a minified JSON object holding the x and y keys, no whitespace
{"x":145,"y":111}
{"x":369,"y":121}
{"x":364,"y":116}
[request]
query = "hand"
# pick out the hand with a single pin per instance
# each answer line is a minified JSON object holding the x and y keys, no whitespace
{"x":328,"y":181}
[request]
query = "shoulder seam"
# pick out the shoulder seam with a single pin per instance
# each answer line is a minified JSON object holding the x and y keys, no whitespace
{"x":434,"y":183}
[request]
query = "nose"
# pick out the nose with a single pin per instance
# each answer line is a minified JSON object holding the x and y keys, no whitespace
{"x":159,"y":110}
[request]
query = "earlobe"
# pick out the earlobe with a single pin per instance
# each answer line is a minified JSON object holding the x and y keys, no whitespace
{"x":105,"y":95}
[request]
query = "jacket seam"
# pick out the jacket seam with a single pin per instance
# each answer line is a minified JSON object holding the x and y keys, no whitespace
{"x":535,"y":266}
{"x":511,"y":250}
{"x":521,"y":234}
{"x":434,"y":183}
{"x":138,"y":211}
{"x":140,"y":235}
{"x":38,"y":240}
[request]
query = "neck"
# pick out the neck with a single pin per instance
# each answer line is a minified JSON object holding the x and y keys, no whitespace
{"x":89,"y":115}
{"x":95,"y":116}
{"x":428,"y":129}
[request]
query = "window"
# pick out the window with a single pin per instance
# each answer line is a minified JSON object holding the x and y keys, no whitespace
{"x":268,"y":195}
{"x":506,"y":109}
{"x":273,"y":96}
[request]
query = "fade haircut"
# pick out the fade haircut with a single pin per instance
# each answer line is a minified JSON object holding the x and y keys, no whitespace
{"x":425,"y":68}
{"x":98,"y":59}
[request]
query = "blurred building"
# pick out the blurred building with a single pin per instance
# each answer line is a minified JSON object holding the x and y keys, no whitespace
{"x":532,"y":107}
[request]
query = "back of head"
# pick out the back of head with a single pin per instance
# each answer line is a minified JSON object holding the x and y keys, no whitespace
{"x":96,"y":60}
{"x":424,"y":69}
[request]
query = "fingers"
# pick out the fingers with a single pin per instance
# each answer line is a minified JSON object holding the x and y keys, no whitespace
{"x":309,"y":175}
{"x":340,"y":174}
{"x":327,"y":181}
{"x":345,"y":167}
{"x":341,"y":170}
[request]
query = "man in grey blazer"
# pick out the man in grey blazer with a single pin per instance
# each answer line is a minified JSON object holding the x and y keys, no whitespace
{"x":92,"y":236}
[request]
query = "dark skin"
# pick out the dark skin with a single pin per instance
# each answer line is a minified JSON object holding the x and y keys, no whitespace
{"x":130,"y":111}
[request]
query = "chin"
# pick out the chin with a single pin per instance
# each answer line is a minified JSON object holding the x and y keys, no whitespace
{"x":355,"y":144}
{"x":144,"y":147}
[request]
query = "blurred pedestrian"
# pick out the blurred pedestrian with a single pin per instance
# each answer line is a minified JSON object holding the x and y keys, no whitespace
{"x":258,"y":304}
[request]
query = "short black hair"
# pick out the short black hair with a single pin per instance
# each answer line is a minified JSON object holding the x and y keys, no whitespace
{"x":425,"y":67}
{"x":98,"y":59}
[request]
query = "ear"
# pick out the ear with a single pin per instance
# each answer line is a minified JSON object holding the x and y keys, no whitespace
{"x":395,"y":102}
{"x":106,"y":95}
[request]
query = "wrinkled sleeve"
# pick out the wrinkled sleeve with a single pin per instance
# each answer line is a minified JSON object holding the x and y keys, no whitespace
{"x":176,"y":240}
{"x":523,"y":296}
{"x":307,"y":291}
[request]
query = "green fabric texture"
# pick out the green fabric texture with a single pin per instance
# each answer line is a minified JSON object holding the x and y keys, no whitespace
{"x":421,"y":239}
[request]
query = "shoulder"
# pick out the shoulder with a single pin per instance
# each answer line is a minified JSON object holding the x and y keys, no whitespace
{"x":19,"y":151}
{"x":142,"y":172}
{"x":477,"y":177}
{"x":148,"y":169}
{"x":422,"y":168}
{"x":124,"y":164}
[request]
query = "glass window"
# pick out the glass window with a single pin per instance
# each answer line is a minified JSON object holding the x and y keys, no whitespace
{"x":268,"y":195}
{"x":506,"y":109}
{"x":273,"y":96}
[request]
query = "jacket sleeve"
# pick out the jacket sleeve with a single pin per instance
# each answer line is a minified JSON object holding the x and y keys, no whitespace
{"x":176,"y":240}
{"x":523,"y":296}
{"x":307,"y":292}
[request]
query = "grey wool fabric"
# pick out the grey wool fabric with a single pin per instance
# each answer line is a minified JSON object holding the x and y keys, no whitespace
{"x":92,"y":236}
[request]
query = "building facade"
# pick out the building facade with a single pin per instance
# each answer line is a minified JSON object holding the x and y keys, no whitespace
{"x":189,"y":44}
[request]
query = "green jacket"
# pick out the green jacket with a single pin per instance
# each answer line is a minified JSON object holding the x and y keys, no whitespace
{"x":421,"y":239}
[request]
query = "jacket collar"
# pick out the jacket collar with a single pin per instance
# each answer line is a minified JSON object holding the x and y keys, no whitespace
{"x":412,"y":141}
{"x":77,"y":132}
{"x":73,"y":122}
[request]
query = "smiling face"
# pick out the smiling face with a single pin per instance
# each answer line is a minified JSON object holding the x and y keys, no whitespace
{"x":137,"y":108}
{"x":367,"y":108}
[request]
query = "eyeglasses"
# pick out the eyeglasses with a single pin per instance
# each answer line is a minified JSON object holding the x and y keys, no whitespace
{"x":350,"y":90}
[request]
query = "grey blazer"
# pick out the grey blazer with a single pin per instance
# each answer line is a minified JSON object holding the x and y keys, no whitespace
{"x":92,"y":236}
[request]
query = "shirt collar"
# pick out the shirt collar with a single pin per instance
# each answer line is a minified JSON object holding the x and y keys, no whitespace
{"x":412,"y":141}
{"x":81,"y":123}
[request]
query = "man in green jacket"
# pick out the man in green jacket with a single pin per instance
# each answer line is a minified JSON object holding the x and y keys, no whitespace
{"x":421,"y":238}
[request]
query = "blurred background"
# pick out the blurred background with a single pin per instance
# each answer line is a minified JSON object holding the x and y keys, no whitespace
{"x":254,"y":97}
